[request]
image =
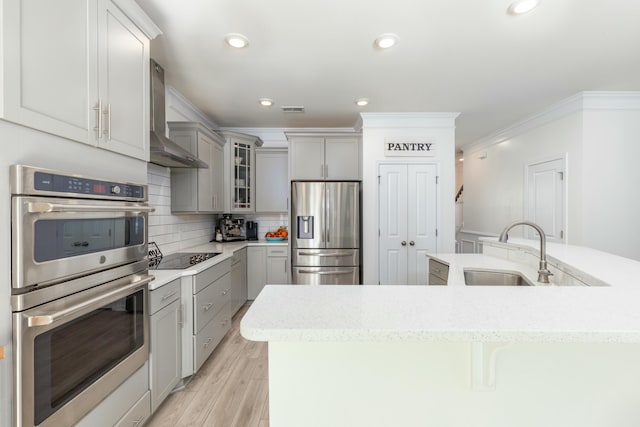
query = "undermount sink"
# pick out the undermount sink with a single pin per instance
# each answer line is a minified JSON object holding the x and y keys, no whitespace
{"x":495,"y":278}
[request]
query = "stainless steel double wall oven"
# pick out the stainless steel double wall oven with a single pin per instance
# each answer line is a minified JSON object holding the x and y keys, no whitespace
{"x":79,"y":275}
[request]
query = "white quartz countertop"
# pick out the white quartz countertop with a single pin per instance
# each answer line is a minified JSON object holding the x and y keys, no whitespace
{"x":544,"y":313}
{"x":162,"y":277}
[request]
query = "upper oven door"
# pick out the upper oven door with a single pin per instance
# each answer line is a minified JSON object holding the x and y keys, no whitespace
{"x":58,"y":239}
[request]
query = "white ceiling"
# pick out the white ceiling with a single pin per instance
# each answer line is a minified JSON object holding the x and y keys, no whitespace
{"x":466,"y":56}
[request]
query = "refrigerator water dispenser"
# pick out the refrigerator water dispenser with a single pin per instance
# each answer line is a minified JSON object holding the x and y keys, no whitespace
{"x":305,"y":227}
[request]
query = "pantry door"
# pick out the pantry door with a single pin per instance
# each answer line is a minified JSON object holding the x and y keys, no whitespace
{"x":407,"y":222}
{"x":545,"y":198}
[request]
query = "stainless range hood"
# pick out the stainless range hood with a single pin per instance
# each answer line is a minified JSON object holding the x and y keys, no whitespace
{"x":163,"y":151}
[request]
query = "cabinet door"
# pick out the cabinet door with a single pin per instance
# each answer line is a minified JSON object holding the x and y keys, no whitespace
{"x":257,"y":274}
{"x":165,"y":360}
{"x":205,"y":176}
{"x":272,"y":187}
{"x":217,"y":176}
{"x":123,"y":70}
{"x":236,"y":287}
{"x":50,"y":66}
{"x":306,"y":158}
{"x":342,"y":158}
{"x":277,"y":270}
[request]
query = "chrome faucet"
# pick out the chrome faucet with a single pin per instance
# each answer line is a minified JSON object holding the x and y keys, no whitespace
{"x":543,"y":272}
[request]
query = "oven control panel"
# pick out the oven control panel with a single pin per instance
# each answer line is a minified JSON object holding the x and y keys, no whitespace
{"x":71,"y":184}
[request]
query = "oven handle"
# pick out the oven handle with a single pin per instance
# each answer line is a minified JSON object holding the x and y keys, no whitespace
{"x":326,"y":254}
{"x":44,"y":207}
{"x":48,"y":319}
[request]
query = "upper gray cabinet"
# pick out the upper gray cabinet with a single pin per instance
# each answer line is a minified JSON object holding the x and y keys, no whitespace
{"x":198,"y":190}
{"x":240,"y":175}
{"x":272,"y":186}
{"x":87,"y":81}
{"x":318,"y":157}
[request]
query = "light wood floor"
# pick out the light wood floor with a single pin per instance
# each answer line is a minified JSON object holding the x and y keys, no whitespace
{"x":230,"y":390}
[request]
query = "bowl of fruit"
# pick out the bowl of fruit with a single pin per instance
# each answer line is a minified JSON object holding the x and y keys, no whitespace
{"x":277,"y":236}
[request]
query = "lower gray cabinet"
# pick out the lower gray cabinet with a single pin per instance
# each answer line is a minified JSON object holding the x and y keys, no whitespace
{"x":269,"y":265}
{"x":207,"y":314}
{"x":165,"y":334}
{"x":238,"y":280}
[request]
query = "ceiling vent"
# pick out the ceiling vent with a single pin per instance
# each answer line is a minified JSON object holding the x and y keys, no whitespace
{"x":292,"y":109}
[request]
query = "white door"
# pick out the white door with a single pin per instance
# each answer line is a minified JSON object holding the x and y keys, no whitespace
{"x":407,"y":215}
{"x":546,"y":198}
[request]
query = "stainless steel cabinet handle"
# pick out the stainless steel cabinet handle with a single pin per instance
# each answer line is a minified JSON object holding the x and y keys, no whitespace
{"x":44,"y":207}
{"x":107,"y":130}
{"x":207,"y":307}
{"x":326,"y":171}
{"x":169,"y":295}
{"x":181,"y":315}
{"x":207,"y":342}
{"x":98,"y":128}
{"x":412,"y":243}
{"x":403,"y":243}
{"x":49,"y":318}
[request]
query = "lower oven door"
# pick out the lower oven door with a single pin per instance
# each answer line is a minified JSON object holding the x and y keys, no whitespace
{"x":72,"y":352}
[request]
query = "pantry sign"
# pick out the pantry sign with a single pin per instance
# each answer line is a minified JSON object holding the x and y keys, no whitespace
{"x":409,"y":147}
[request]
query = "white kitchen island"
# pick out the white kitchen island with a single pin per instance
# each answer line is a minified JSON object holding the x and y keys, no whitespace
{"x":454,"y":356}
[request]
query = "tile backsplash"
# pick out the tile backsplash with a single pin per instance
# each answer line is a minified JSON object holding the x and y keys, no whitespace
{"x":175,"y":232}
{"x":172,"y":232}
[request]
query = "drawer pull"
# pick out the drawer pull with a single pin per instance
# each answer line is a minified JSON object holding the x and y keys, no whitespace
{"x":169,"y":295}
{"x":225,"y":292}
{"x":207,"y":342}
{"x":207,"y":307}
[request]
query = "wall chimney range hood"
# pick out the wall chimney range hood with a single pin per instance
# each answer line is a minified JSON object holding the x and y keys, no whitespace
{"x":163,"y":151}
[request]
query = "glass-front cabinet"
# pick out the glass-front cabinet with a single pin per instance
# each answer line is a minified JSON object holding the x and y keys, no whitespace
{"x":240,"y":179}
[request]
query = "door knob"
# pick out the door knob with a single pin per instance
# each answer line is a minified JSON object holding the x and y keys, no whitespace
{"x":404,"y":243}
{"x":412,"y":243}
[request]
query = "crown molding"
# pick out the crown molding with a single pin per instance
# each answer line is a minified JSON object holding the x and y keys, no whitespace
{"x":408,"y":120}
{"x":582,"y":101}
{"x":139,"y":17}
{"x":184,"y":107}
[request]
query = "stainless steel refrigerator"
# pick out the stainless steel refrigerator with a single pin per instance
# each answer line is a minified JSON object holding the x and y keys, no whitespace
{"x":325,"y":233}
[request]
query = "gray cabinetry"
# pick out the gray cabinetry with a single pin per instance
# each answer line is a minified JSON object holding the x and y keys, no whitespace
{"x":79,"y":70}
{"x":272,"y":186}
{"x":198,"y":190}
{"x":207,"y":314}
{"x":320,"y":157}
{"x":269,"y":265}
{"x":165,"y":332}
{"x":257,"y":274}
{"x":238,"y":280}
{"x":277,"y":261}
{"x":438,"y":272}
{"x":240,"y":171}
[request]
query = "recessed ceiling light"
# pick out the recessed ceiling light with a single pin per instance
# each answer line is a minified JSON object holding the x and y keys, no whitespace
{"x":236,"y":40}
{"x":266,"y":102}
{"x":362,"y":102}
{"x":522,"y":6}
{"x":385,"y":41}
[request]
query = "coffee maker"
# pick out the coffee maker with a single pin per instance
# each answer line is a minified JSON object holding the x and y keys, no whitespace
{"x":252,"y":230}
{"x":231,"y":228}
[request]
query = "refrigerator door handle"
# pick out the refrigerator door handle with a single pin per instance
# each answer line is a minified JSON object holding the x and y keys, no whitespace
{"x":324,"y":273}
{"x":327,"y":254}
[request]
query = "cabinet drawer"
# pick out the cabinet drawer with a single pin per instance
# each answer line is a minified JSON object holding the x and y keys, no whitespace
{"x":205,"y":341}
{"x":163,"y":296}
{"x":435,"y":280}
{"x":205,"y":278}
{"x":138,"y":414}
{"x":439,"y":269}
{"x":208,"y":302}
{"x":277,"y":251}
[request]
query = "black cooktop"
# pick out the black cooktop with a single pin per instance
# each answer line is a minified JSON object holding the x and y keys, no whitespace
{"x":180,"y":260}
